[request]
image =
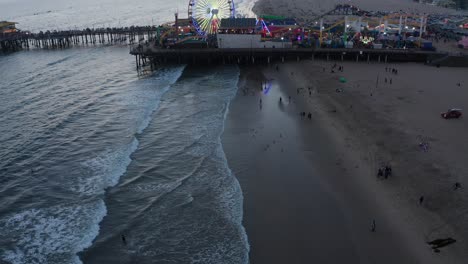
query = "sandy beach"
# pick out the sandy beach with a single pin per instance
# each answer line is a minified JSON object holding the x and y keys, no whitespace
{"x":310,"y":186}
{"x":305,"y":10}
{"x":311,"y":189}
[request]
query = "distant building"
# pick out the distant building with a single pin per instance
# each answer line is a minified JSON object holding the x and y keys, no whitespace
{"x":238,"y":33}
{"x":238,"y":26}
{"x":445,"y":3}
{"x":245,"y":33}
{"x":7,"y":27}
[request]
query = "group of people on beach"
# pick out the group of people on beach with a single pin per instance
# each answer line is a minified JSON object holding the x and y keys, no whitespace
{"x":340,"y":68}
{"x":388,"y":80}
{"x":384,"y":172}
{"x":299,"y":90}
{"x":391,"y":70}
{"x":303,"y":114}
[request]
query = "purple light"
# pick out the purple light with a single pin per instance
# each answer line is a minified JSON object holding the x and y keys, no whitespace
{"x":267,"y":89}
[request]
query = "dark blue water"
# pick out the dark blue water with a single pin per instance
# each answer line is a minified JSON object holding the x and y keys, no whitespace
{"x":75,"y":123}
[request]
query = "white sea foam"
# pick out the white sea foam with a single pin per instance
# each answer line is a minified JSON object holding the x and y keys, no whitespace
{"x":57,"y":234}
{"x":51,"y":235}
{"x":105,"y":170}
{"x":237,"y":206}
{"x":231,"y":200}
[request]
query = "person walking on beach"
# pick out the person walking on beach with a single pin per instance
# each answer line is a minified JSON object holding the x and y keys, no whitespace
{"x":390,"y":80}
{"x":387,"y":172}
{"x":373,"y":227}
{"x":421,"y":200}
{"x":309,"y":115}
{"x":281,"y":100}
{"x":124,"y":240}
{"x":289,"y":98}
{"x":380,"y":173}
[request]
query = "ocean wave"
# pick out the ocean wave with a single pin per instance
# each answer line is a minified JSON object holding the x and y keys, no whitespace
{"x":56,"y":234}
{"x":50,"y":235}
{"x":233,"y":202}
{"x":205,"y":170}
{"x":58,"y":61}
{"x":184,"y":203}
{"x":105,"y":170}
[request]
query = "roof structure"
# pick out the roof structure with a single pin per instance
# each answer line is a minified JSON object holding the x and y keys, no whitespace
{"x":6,"y":24}
{"x":238,"y":23}
{"x":7,"y":27}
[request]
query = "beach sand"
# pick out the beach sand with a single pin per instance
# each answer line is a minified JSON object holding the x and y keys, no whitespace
{"x":307,"y":9}
{"x":310,"y":186}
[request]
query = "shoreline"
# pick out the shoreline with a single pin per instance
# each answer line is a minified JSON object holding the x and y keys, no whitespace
{"x":264,"y":157}
{"x":344,"y":168}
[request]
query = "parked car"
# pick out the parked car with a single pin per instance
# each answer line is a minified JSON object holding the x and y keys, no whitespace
{"x":452,"y":113}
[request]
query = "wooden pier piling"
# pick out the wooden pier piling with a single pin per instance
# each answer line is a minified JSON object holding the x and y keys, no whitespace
{"x":267,"y":56}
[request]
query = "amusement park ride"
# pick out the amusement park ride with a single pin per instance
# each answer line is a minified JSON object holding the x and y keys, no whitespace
{"x":206,"y":15}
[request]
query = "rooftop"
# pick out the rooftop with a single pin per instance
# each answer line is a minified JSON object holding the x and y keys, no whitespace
{"x":7,"y":23}
{"x":238,"y":23}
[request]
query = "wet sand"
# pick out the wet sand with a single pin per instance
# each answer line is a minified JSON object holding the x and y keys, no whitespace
{"x":310,"y":186}
{"x":286,"y":206}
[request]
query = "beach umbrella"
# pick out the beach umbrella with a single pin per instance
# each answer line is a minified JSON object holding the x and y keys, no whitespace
{"x":343,"y":80}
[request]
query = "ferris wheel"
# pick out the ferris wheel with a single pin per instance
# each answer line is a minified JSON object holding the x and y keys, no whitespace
{"x":206,"y":15}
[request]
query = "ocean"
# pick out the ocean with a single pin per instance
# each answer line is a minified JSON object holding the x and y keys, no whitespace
{"x":92,"y":150}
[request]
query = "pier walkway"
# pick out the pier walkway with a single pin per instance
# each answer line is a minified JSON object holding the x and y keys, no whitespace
{"x":64,"y":39}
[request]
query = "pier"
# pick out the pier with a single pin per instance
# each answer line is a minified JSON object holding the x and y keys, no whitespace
{"x":64,"y":39}
{"x":153,"y":56}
